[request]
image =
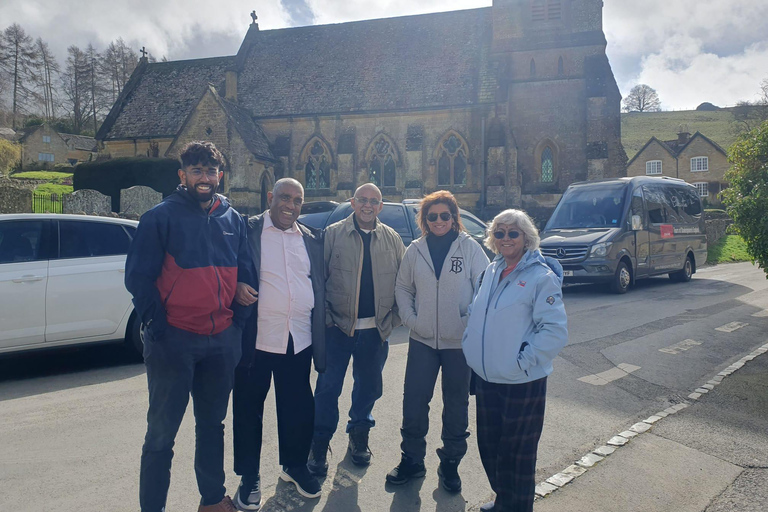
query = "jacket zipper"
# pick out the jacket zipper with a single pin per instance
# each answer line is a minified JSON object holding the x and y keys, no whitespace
{"x":437,"y":314}
{"x":485,"y":323}
{"x":357,"y":287}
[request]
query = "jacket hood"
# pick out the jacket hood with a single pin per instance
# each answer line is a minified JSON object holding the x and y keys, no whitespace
{"x":536,"y":258}
{"x":182,"y":196}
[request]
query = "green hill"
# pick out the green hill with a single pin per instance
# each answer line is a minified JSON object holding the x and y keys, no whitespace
{"x":638,"y":127}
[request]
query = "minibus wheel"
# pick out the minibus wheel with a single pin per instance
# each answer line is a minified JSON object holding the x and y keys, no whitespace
{"x":621,"y":279}
{"x":683,"y":275}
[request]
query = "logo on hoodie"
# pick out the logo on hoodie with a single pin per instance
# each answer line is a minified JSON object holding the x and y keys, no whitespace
{"x":457,"y":264}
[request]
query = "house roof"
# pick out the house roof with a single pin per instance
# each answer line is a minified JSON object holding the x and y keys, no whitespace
{"x":8,"y":133}
{"x":410,"y":62}
{"x":80,"y":142}
{"x":159,"y":97}
{"x":674,"y":148}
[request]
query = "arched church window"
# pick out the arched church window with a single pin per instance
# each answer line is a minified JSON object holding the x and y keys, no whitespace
{"x":317,"y":169}
{"x":560,"y":67}
{"x":382,"y":166}
{"x":533,"y":68}
{"x":547,"y":165}
{"x":452,"y":155}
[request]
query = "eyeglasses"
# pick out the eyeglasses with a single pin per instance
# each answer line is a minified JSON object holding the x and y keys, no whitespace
{"x":444,"y":216}
{"x":196,"y":173}
{"x":365,"y":200}
{"x":499,"y":235}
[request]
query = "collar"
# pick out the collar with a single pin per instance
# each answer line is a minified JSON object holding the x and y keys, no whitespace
{"x":350,"y":224}
{"x":269,"y":224}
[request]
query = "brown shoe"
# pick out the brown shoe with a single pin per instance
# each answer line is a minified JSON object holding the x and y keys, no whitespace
{"x":224,"y":505}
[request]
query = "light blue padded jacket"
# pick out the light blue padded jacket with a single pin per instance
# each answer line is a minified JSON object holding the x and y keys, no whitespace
{"x":517,"y":326}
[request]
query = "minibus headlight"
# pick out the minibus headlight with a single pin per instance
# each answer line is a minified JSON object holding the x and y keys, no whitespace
{"x":600,"y":250}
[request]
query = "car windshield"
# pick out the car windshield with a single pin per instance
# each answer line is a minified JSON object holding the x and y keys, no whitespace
{"x":590,"y":206}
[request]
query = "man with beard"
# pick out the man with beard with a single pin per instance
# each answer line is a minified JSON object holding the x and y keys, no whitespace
{"x":182,"y":269}
{"x":282,"y":338}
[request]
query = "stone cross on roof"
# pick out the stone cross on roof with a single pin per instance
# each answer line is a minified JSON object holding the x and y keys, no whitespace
{"x":143,"y":52}
{"x":253,"y":16}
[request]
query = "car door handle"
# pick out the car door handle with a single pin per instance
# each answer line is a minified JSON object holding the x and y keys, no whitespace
{"x":28,"y":278}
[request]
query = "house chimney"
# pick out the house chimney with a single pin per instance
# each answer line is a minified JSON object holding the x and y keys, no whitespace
{"x":682,"y":137}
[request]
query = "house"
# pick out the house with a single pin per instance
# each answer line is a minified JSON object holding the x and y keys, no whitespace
{"x":503,"y":105}
{"x":8,"y":134}
{"x":694,"y":158}
{"x":42,"y":147}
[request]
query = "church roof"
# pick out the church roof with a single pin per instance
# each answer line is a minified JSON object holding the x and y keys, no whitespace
{"x":159,"y":97}
{"x":410,"y":62}
{"x":252,"y":134}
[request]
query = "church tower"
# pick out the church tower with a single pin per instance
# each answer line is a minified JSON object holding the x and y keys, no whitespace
{"x":558,"y":92}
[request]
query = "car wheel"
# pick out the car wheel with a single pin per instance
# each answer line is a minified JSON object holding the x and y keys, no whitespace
{"x":683,"y":275}
{"x":135,"y":337}
{"x":621,"y":279}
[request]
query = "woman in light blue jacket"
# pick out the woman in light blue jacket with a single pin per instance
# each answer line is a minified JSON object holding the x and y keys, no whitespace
{"x":517,"y":325}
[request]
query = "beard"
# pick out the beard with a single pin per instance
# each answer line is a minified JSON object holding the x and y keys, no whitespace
{"x":202,"y":197}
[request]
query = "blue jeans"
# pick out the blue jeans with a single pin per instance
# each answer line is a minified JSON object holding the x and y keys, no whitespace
{"x":181,"y":363}
{"x":368,"y":354}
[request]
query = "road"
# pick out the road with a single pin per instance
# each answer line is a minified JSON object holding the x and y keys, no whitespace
{"x":72,"y":423}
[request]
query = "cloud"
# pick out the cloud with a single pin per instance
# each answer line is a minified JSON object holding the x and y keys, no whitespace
{"x":337,"y":11}
{"x":300,"y":12}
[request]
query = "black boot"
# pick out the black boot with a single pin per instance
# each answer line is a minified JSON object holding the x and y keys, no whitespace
{"x":448,"y":471}
{"x":318,"y":461}
{"x":358,"y":446}
{"x":406,"y":470}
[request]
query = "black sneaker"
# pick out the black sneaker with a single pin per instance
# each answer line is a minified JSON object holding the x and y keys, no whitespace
{"x":248,"y":495}
{"x":318,"y":458}
{"x":448,"y":471}
{"x":358,"y":447}
{"x":406,"y":470}
{"x":305,"y":483}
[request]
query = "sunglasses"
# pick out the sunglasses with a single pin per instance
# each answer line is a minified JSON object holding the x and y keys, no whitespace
{"x":444,"y":216}
{"x":365,"y":200}
{"x":499,"y":235}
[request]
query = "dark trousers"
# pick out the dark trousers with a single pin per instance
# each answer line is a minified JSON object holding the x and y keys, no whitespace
{"x":420,"y":377}
{"x":510,"y":418}
{"x":295,"y":408}
{"x":368,"y":355}
{"x":178,"y":364}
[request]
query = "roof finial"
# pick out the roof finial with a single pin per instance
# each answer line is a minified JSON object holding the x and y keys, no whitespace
{"x":254,"y":17}
{"x":143,"y":52}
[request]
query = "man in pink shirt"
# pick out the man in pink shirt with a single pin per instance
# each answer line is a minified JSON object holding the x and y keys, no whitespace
{"x":280,"y":340}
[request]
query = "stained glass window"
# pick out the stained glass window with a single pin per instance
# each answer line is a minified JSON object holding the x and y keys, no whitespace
{"x":547,"y":166}
{"x":317,"y":170}
{"x":452,"y":162}
{"x":382,"y":169}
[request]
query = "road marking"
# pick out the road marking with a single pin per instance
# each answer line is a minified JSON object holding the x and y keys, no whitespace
{"x":730,"y":327}
{"x":761,"y":314}
{"x":680,"y":347}
{"x":603,"y":378}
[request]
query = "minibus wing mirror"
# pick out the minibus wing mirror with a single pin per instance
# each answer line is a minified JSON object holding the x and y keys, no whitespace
{"x":637,"y":223}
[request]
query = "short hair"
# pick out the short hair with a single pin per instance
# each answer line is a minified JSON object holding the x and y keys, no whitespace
{"x":517,"y":218}
{"x":287,"y":181}
{"x":200,"y":152}
{"x":439,"y":197}
{"x":367,"y":185}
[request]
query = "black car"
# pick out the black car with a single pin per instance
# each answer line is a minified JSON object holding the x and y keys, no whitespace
{"x":399,"y":216}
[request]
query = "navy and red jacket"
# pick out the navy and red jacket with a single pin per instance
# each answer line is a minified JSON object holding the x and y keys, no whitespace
{"x":184,"y":264}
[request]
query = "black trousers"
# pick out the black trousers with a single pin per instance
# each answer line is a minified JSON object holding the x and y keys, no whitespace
{"x":510,"y":418}
{"x":295,"y":408}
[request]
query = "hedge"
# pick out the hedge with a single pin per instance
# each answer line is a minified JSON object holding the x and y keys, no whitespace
{"x":111,"y":176}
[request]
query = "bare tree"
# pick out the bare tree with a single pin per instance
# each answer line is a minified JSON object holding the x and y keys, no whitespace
{"x":642,"y":98}
{"x":18,"y":62}
{"x":76,"y":89}
{"x":47,"y":74}
{"x":748,"y":115}
{"x":117,"y":63}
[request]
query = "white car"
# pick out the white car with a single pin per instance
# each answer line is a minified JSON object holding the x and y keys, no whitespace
{"x":61,"y":281}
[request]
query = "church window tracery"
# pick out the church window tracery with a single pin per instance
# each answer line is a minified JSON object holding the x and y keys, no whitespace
{"x":547,"y":165}
{"x":382,"y":162}
{"x":452,"y":160}
{"x":317,"y":169}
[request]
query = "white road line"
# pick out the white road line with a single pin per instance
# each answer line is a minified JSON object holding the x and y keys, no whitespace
{"x":603,"y":378}
{"x":730,"y":327}
{"x":761,"y":314}
{"x":680,"y":347}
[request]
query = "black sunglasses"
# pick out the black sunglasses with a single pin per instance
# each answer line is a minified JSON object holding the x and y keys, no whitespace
{"x":499,"y":235}
{"x":444,"y":216}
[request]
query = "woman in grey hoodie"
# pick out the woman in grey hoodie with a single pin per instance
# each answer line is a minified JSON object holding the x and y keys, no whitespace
{"x":435,"y":285}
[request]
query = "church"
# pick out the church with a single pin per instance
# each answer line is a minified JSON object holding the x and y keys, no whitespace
{"x":504,"y":106}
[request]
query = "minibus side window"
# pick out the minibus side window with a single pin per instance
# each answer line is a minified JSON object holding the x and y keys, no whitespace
{"x":654,"y":201}
{"x":636,"y":206}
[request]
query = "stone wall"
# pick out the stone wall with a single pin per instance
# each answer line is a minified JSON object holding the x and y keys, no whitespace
{"x":87,"y":201}
{"x":14,"y":199}
{"x":716,"y":225}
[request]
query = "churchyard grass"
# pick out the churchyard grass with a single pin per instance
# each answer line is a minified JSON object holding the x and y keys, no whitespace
{"x":729,"y":249}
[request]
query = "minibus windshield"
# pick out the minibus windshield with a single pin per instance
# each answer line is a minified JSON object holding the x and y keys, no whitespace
{"x":590,"y":206}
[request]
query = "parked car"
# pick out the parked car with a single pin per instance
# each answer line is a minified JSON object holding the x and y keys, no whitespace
{"x":61,"y":281}
{"x":399,"y":216}
{"x":617,"y":231}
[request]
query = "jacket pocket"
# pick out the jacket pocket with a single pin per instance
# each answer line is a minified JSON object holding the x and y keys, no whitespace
{"x":424,"y":326}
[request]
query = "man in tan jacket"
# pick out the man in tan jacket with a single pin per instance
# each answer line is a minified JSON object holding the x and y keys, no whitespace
{"x":362,"y":257}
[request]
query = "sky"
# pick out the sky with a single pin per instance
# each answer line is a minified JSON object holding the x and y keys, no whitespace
{"x":690,"y":51}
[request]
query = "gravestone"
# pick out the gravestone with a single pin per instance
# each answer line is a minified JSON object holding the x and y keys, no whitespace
{"x":138,"y":199}
{"x":15,"y":199}
{"x":86,"y":200}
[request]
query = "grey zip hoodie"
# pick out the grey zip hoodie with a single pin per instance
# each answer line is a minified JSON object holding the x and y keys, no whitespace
{"x":436,"y":311}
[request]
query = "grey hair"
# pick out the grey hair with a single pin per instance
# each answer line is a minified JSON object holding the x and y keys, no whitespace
{"x":286,"y":181}
{"x":517,"y":218}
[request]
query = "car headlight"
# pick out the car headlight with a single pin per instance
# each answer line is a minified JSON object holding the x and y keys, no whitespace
{"x":600,"y":250}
